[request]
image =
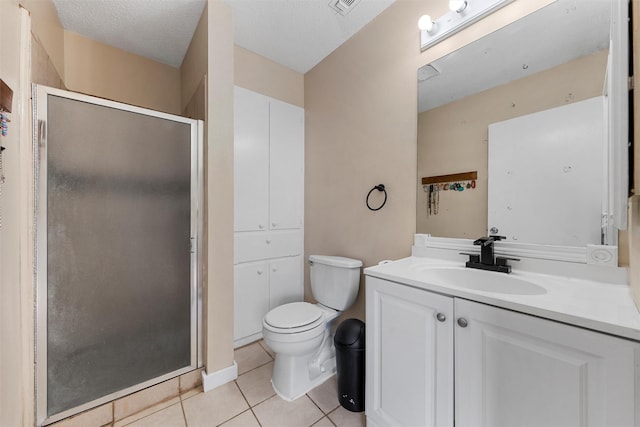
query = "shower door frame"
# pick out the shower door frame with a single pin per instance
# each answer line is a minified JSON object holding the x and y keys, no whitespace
{"x":40,"y":95}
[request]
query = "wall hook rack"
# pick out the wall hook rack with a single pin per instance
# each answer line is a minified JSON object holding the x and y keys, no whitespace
{"x":456,"y":182}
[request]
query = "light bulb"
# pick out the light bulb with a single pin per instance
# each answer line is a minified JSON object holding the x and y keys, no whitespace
{"x":425,"y":23}
{"x":457,"y":5}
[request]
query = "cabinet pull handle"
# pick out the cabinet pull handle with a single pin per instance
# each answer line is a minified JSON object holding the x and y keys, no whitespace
{"x":462,"y":322}
{"x":441,"y":317}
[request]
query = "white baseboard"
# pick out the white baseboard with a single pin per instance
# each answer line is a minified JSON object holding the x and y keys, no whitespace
{"x":218,"y":378}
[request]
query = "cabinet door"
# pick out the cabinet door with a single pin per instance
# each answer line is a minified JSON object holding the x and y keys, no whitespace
{"x":287,"y":165}
{"x":518,"y":370}
{"x":251,"y":298}
{"x":251,"y":160}
{"x":285,"y":281}
{"x":409,"y":356}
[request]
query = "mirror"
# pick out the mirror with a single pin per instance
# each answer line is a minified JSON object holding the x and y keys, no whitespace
{"x":555,"y":57}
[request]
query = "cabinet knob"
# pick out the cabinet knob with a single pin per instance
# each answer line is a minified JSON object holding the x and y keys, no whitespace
{"x":268,"y":241}
{"x":260,"y":226}
{"x":273,"y":224}
{"x":274,"y":269}
{"x":259,"y":271}
{"x":462,"y":322}
{"x":441,"y":317}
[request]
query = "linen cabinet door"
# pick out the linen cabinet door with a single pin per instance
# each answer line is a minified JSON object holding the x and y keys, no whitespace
{"x":251,"y":160}
{"x":251,"y":299}
{"x":409,"y":356}
{"x":515,"y":370}
{"x":285,"y":281}
{"x":286,"y":151}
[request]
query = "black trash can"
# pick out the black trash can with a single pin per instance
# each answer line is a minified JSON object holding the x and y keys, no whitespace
{"x":349,"y":343}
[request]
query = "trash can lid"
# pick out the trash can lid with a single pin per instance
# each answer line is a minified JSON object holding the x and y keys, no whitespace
{"x":350,"y":333}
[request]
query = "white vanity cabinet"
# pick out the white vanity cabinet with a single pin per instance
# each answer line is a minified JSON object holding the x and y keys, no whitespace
{"x":268,"y":209}
{"x":409,"y":356}
{"x":507,"y":368}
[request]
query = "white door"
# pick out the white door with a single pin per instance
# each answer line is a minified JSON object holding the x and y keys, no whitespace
{"x":518,"y":370}
{"x":251,"y":160}
{"x":409,"y":355}
{"x":251,"y":298}
{"x":286,"y":175}
{"x":285,"y":281}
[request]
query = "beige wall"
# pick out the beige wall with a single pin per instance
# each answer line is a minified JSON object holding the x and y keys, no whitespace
{"x":43,"y":72}
{"x":453,"y":138}
{"x":361,"y":130}
{"x":194,"y":65}
{"x":16,"y":285}
{"x":218,"y":298}
{"x":259,"y":74}
{"x":46,"y":27}
{"x":96,"y":69}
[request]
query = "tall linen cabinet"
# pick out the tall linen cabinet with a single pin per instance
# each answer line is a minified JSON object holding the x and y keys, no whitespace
{"x":268,"y":209}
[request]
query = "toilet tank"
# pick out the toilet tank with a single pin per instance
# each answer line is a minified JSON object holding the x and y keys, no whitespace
{"x":335,"y":280}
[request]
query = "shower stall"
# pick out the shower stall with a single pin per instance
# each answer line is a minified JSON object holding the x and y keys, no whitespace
{"x":118,"y":219}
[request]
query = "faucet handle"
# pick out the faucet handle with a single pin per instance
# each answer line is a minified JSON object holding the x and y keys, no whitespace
{"x":502,"y":260}
{"x":483,"y":241}
{"x":472,"y":257}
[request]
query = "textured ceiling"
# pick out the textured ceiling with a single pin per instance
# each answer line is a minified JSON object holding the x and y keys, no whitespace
{"x":298,"y":33}
{"x":295,"y":33}
{"x":157,"y":29}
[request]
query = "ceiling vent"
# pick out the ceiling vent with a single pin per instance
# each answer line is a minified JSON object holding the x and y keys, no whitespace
{"x":343,"y":6}
{"x":426,"y":72}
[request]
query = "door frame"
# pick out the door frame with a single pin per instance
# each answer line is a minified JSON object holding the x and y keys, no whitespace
{"x":40,"y":94}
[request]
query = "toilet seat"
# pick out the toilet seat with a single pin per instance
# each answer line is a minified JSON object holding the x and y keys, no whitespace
{"x":293,"y":318}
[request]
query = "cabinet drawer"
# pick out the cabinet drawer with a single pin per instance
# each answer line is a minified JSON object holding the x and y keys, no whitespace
{"x":256,"y":246}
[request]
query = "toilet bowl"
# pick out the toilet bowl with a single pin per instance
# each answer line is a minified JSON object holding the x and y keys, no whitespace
{"x":301,"y":334}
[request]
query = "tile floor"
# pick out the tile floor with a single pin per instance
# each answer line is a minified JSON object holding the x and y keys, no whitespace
{"x":249,"y":401}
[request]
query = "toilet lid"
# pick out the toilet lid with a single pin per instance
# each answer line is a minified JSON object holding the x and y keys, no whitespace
{"x":293,"y":315}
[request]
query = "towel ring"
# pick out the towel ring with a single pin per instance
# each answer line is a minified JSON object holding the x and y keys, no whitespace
{"x":379,"y":187}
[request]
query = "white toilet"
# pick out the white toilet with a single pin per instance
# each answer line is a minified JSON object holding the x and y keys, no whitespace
{"x":301,"y":334}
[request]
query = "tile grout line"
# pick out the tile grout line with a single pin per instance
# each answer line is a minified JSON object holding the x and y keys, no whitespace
{"x":253,"y":369}
{"x":250,"y":407}
{"x":317,"y":406}
{"x":184,"y":413}
{"x":320,"y":409}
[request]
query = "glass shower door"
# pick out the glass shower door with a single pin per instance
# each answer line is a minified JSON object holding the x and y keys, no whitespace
{"x":117,"y":210}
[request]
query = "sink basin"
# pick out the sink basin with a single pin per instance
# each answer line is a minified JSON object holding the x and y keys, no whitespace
{"x":480,"y":280}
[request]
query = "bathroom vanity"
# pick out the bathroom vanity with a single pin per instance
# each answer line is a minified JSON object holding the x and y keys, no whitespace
{"x":552,"y":343}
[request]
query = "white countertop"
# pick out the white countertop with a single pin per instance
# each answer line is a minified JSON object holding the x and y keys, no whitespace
{"x":599,"y":306}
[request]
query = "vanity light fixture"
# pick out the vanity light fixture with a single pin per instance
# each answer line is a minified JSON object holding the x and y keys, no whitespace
{"x":462,"y":14}
{"x":457,"y":6}
{"x":425,"y":23}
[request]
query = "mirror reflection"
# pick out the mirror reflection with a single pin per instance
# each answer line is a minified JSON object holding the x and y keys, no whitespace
{"x":482,"y":109}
